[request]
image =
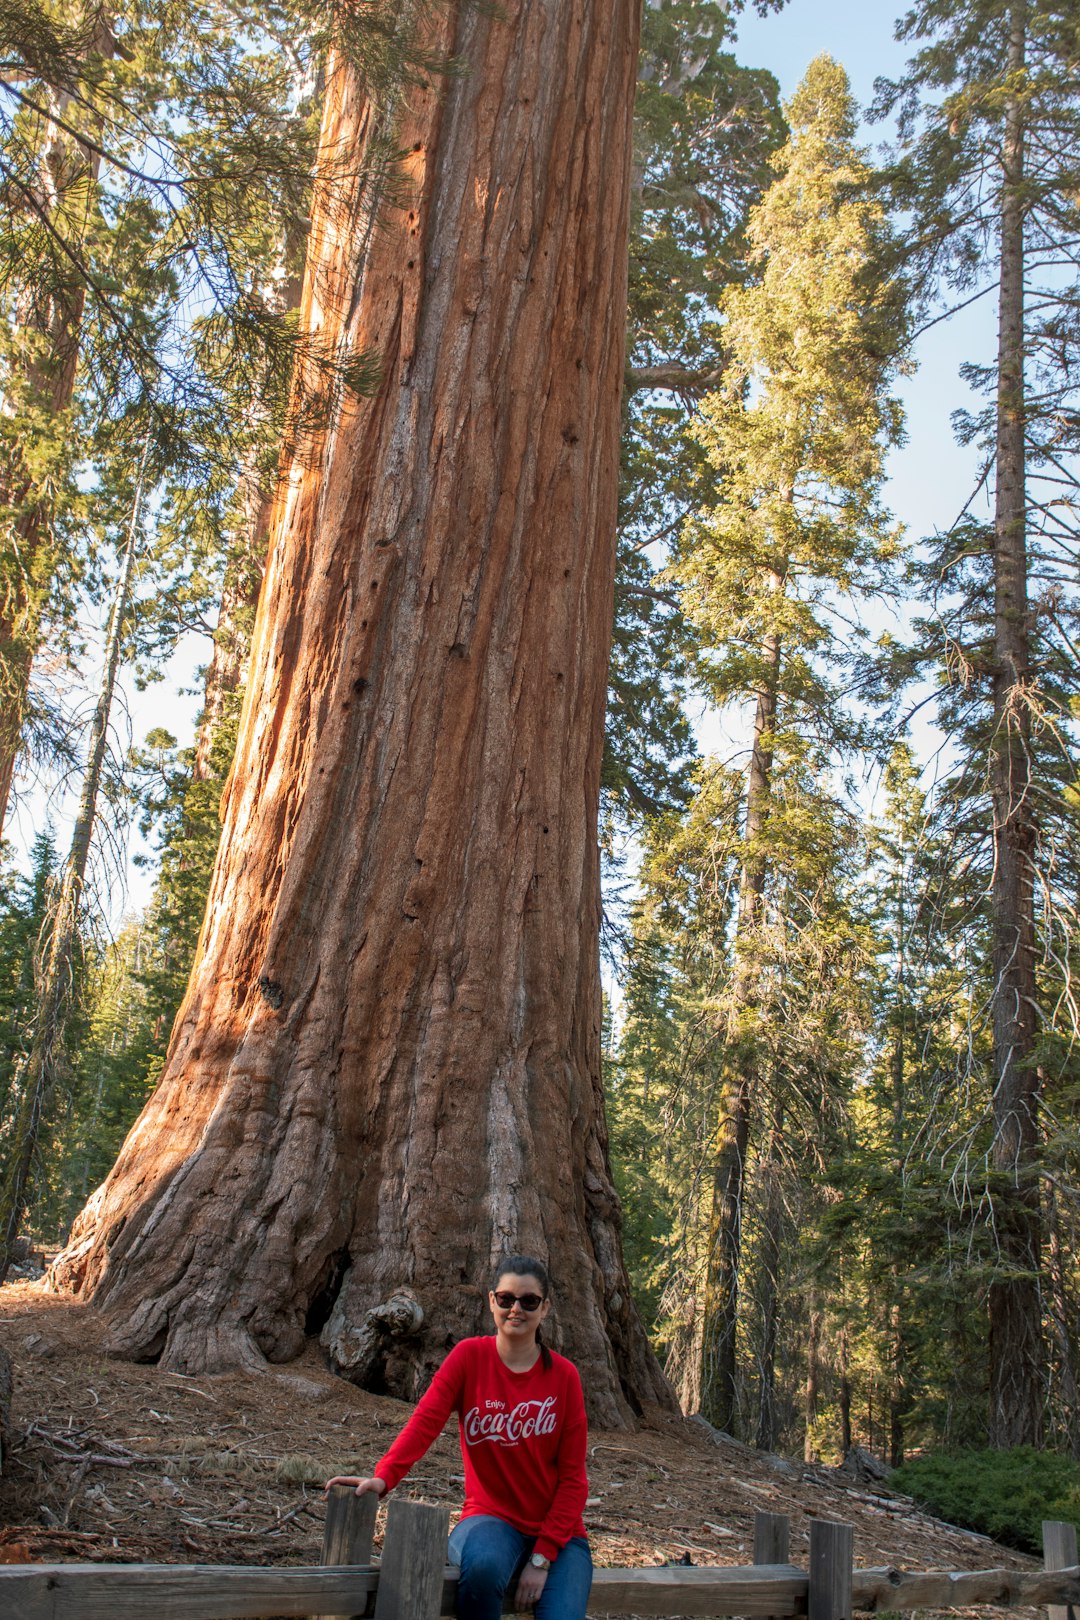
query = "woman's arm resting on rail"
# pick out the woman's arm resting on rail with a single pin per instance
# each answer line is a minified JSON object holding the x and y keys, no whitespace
{"x":374,"y":1484}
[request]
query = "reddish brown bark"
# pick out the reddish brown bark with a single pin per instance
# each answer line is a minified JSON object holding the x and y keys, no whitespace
{"x":388,"y":1063}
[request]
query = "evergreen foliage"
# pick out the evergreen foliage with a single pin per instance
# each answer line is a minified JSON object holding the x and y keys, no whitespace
{"x":987,"y":171}
{"x":114,"y":1074}
{"x":797,"y":439}
{"x":704,"y":130}
{"x":23,"y":902}
{"x":1002,"y":1494}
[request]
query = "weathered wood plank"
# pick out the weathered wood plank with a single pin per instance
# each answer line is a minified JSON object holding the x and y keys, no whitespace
{"x":772,"y":1541}
{"x":413,"y":1561}
{"x":828,"y":1595}
{"x":178,"y":1591}
{"x":349,"y":1528}
{"x":772,"y":1538}
{"x":1059,"y":1552}
{"x":689,"y":1590}
{"x":899,"y":1589}
{"x":193,"y":1592}
{"x":232,"y":1592}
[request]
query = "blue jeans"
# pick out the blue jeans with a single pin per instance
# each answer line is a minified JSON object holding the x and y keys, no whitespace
{"x":491,"y":1554}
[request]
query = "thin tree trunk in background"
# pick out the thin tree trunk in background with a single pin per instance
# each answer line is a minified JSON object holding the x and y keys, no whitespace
{"x":719,"y":1318}
{"x":40,"y":1073}
{"x":246,"y":565}
{"x":236,"y":614}
{"x":387,"y":1067}
{"x":812,"y":1388}
{"x":899,"y":1397}
{"x":48,"y":323}
{"x":769,"y":1288}
{"x":844,"y":1380}
{"x":1016,"y":1351}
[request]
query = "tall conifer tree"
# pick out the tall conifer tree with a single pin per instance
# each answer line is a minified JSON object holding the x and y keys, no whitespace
{"x":989,"y":171}
{"x":798,"y":437}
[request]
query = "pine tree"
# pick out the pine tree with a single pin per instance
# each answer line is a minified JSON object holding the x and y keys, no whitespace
{"x":704,"y":130}
{"x":989,"y":172}
{"x":905,"y":1229}
{"x":115,"y":1069}
{"x":799,"y":436}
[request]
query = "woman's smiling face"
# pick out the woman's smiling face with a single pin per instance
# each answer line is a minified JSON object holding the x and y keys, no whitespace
{"x":514,"y":1319}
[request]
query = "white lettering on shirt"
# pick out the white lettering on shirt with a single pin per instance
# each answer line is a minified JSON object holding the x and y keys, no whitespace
{"x":526,"y":1419}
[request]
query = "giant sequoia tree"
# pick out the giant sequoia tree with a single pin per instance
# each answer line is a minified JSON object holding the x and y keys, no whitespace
{"x":387,"y":1066}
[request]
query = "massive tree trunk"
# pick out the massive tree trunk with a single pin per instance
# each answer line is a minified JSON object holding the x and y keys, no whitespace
{"x":1016,"y":1352}
{"x":387,"y":1067}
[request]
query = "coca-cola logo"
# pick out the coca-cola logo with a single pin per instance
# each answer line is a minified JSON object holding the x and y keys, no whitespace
{"x":522,"y":1422}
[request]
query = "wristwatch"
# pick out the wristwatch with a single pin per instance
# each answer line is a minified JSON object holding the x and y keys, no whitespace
{"x":538,"y":1561}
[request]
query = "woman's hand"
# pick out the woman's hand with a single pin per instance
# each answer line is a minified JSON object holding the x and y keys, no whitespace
{"x":529,"y":1587}
{"x":376,"y":1484}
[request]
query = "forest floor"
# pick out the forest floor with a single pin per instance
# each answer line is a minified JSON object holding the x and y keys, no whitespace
{"x":107,"y":1460}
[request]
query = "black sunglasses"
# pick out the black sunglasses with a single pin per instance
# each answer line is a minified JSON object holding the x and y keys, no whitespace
{"x":528,"y":1302}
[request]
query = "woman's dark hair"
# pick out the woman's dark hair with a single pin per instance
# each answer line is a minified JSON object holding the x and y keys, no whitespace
{"x":527,"y":1265}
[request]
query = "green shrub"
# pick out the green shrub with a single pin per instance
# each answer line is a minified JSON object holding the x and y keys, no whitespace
{"x":1003,"y":1494}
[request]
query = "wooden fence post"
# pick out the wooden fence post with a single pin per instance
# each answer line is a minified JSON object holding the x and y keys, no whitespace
{"x":413,"y":1561}
{"x":831,"y":1549}
{"x":350,"y":1526}
{"x":1059,"y":1552}
{"x":772,"y":1538}
{"x":772,"y":1541}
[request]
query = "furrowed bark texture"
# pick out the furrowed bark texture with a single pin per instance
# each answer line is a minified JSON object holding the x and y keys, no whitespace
{"x":1016,"y":1350}
{"x":387,"y":1068}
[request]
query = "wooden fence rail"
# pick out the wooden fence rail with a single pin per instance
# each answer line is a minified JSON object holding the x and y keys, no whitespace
{"x":414,"y":1583}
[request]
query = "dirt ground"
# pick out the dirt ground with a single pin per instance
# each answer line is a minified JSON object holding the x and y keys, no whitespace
{"x":111,"y":1461}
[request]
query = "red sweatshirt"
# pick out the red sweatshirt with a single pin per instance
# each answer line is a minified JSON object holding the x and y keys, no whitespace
{"x":522,"y":1440}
